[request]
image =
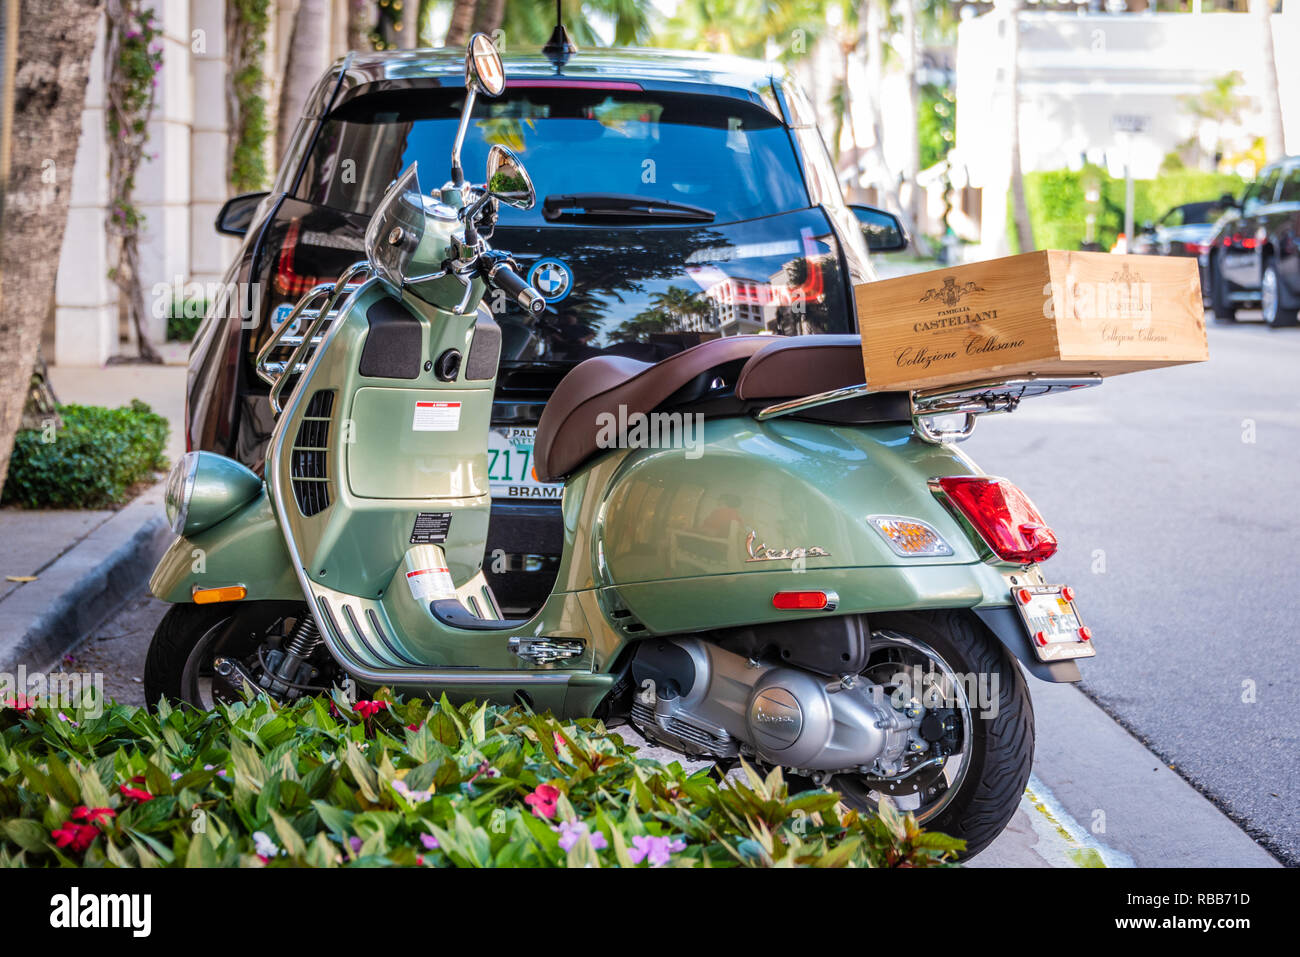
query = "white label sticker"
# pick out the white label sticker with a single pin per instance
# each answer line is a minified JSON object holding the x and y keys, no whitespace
{"x":436,"y":417}
{"x":430,"y":584}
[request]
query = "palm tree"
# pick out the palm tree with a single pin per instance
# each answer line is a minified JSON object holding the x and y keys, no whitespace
{"x":308,"y":57}
{"x":55,"y":39}
{"x":1020,"y":208}
{"x":1276,"y":135}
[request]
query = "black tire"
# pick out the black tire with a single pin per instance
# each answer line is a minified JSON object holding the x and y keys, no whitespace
{"x":1224,"y":310}
{"x":173,"y":642}
{"x":1001,"y":753}
{"x":1276,"y":314}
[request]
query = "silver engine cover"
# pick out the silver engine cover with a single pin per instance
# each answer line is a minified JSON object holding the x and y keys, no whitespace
{"x":786,"y":716}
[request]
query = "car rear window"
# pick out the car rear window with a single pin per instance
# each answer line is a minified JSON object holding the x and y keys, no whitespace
{"x":725,"y":155}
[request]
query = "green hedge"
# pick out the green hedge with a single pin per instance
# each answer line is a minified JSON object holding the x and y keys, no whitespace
{"x":91,"y":462}
{"x":386,"y":782}
{"x":1058,"y":208}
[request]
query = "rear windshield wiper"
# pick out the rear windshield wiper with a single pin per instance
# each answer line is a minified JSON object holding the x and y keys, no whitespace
{"x":621,"y":206}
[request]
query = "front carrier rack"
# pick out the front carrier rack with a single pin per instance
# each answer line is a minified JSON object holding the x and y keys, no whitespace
{"x":310,"y":322}
{"x":969,"y":400}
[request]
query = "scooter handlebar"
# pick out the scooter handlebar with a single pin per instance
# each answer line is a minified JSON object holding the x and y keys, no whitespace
{"x":501,"y":275}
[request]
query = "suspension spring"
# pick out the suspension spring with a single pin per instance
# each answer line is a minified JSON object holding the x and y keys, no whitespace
{"x":304,"y":638}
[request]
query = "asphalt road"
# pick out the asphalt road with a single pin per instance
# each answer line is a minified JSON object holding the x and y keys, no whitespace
{"x":1172,"y":493}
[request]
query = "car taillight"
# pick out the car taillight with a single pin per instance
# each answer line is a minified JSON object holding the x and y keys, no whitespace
{"x":1003,"y":515}
{"x":1197,"y":248}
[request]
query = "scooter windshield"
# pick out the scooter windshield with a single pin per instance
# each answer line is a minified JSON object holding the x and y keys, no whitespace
{"x":396,"y":228}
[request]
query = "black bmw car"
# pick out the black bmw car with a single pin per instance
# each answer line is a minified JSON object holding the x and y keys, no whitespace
{"x":682,"y":197}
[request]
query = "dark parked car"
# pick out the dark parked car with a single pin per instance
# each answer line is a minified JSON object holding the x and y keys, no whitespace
{"x":1183,"y":231}
{"x":1252,"y":259}
{"x":682,"y":197}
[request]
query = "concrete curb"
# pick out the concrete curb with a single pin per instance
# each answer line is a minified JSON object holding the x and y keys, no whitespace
{"x":84,"y":586}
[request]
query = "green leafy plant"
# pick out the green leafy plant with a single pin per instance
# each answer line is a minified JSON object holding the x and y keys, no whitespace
{"x":247,"y":22}
{"x":1058,"y":204}
{"x":326,"y":783}
{"x":91,"y":462}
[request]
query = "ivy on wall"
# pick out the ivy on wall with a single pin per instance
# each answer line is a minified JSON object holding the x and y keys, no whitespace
{"x":133,"y":57}
{"x":247,"y":22}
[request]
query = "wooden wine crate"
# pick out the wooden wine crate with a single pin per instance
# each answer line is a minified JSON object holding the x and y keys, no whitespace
{"x":1048,"y":312}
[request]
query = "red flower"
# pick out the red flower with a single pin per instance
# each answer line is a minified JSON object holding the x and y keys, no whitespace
{"x":76,"y":837}
{"x":92,"y":814}
{"x":22,"y":704}
{"x":368,"y":709}
{"x":412,"y":727}
{"x":542,"y":800}
{"x":135,"y":794}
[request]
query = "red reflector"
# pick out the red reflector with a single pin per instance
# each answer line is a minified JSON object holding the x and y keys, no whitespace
{"x":1040,"y":637}
{"x":1067,"y":593}
{"x":799,"y":600}
{"x":1085,"y":633}
{"x":1023,"y":596}
{"x":1004,"y":517}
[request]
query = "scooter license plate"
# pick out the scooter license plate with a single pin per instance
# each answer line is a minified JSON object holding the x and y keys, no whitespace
{"x":1056,"y":631}
{"x":510,"y":465}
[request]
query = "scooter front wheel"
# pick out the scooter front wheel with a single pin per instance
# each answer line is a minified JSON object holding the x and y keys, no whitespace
{"x":973,"y":792}
{"x":205,"y":654}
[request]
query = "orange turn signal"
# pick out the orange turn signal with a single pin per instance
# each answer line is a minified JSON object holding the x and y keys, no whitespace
{"x":210,"y":596}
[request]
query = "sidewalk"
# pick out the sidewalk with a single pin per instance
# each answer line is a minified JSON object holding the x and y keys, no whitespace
{"x":85,"y":563}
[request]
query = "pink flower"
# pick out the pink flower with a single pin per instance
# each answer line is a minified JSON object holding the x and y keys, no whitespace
{"x":93,"y":815}
{"x":430,"y":842}
{"x":22,"y":704}
{"x":368,"y":709}
{"x":135,"y":794}
{"x":542,"y":800}
{"x":63,"y":717}
{"x":656,"y":850}
{"x":355,"y":843}
{"x":571,"y":832}
{"x":76,"y":837}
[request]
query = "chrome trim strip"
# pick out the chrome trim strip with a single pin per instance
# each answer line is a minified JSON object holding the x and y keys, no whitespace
{"x":812,"y":401}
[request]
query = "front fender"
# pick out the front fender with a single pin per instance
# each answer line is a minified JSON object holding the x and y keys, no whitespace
{"x":244,"y":549}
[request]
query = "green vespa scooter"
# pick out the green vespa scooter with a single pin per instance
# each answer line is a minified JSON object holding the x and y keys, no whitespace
{"x":762,"y":558}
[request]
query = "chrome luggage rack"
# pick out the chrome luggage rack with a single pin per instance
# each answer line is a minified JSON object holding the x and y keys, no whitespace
{"x":333,"y":297}
{"x":970,"y":400}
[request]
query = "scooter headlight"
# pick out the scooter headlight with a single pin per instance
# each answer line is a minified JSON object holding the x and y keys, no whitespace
{"x":180,"y":490}
{"x":205,"y":488}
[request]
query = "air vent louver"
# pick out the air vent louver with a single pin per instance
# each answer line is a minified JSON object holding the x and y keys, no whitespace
{"x":309,"y":456}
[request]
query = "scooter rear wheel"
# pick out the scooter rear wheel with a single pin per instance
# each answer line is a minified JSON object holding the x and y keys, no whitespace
{"x":974,"y":793}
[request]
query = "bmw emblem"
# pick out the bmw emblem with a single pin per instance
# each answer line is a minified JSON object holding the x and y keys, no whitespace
{"x":552,"y":278}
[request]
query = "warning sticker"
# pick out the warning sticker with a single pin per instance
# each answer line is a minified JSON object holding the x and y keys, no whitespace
{"x":436,"y":417}
{"x":430,"y":584}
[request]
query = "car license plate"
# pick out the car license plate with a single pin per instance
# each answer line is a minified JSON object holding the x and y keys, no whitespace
{"x":1055,"y":630}
{"x":510,"y":465}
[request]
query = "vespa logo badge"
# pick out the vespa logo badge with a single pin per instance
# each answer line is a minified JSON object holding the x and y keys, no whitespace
{"x":950,"y":293}
{"x":761,"y":553}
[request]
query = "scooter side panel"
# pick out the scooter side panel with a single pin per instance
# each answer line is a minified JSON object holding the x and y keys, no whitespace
{"x":754,"y":496}
{"x":244,"y":549}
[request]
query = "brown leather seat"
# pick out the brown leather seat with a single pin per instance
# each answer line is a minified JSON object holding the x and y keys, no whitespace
{"x":802,"y":365}
{"x":567,"y":432}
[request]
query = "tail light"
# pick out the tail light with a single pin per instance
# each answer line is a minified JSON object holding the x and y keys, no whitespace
{"x":1003,"y":515}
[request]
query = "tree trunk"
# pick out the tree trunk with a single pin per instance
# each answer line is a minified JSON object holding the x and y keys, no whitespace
{"x":308,"y":57}
{"x":408,"y":37}
{"x":912,"y":160}
{"x":55,"y":41}
{"x":1275,"y":144}
{"x":462,"y":22}
{"x":489,"y":17}
{"x":361,"y":20}
{"x":1020,"y":208}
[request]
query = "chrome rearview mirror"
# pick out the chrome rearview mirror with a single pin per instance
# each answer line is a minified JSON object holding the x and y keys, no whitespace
{"x":483,"y":72}
{"x":507,"y":180}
